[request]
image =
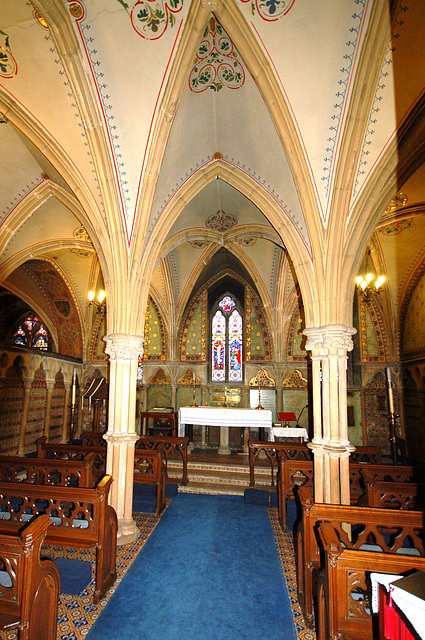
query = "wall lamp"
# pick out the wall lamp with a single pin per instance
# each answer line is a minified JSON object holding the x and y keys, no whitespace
{"x":369,"y":283}
{"x":97,"y":301}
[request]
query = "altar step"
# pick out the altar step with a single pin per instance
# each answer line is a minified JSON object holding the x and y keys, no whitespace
{"x":212,"y":478}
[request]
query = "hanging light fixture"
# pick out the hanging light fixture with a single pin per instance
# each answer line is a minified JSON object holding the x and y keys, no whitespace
{"x":370,"y":282}
{"x":97,"y":301}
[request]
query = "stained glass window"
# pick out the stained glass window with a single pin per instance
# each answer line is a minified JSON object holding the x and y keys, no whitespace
{"x":30,"y":332}
{"x":235,"y":347}
{"x":226,"y":342}
{"x":140,"y":370}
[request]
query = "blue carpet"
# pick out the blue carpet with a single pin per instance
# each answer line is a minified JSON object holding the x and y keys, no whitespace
{"x":210,"y":571}
{"x":75,"y":575}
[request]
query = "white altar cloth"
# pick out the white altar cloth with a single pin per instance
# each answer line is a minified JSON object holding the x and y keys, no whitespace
{"x":289,"y":432}
{"x":225,"y":417}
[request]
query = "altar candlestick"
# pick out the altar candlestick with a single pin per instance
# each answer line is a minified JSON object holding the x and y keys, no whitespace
{"x":73,"y":388}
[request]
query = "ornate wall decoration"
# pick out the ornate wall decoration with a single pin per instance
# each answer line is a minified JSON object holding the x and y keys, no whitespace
{"x":59,"y":298}
{"x":186,"y":380}
{"x":11,"y":409}
{"x":57,"y":408}
{"x":221,"y":221}
{"x":257,"y":333}
{"x":372,"y":343}
{"x":376,"y":411}
{"x":193,"y":338}
{"x":413,"y":321}
{"x":264,"y":378}
{"x":155,"y":345}
{"x":218,"y":64}
{"x":150,"y":18}
{"x":160,"y":378}
{"x":8,"y":64}
{"x":295,"y":380}
{"x":36,"y":410}
{"x":270,"y":10}
{"x":295,"y":345}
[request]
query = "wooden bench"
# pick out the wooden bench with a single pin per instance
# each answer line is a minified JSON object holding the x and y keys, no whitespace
{"x":343,"y":588}
{"x":299,"y":451}
{"x":65,"y":473}
{"x":168,"y":445}
{"x":30,"y":586}
{"x":149,"y":467}
{"x":80,"y":517}
{"x":366,"y":522}
{"x":293,"y":473}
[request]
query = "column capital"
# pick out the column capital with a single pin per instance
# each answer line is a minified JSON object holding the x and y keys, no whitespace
{"x":122,"y":346}
{"x":329,"y":338}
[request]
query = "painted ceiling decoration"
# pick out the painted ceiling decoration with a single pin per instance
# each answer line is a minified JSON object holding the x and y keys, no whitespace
{"x":218,"y":63}
{"x":270,"y":10}
{"x":221,"y":221}
{"x":150,"y":18}
{"x":8,"y":64}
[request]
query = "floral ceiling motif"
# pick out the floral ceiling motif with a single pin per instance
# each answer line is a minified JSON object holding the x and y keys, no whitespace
{"x":8,"y":64}
{"x":150,"y":18}
{"x":218,"y":64}
{"x":221,"y":222}
{"x":270,"y":10}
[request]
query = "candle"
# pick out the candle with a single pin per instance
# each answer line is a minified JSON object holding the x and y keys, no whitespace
{"x":258,"y":378}
{"x":390,"y":392}
{"x":194,"y":379}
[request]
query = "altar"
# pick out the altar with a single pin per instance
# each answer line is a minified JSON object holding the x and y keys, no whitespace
{"x":226,"y":417}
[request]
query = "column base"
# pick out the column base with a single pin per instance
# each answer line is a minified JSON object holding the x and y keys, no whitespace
{"x":127,"y":532}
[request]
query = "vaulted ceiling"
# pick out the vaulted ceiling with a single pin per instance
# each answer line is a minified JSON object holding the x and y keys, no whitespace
{"x":241,"y":124}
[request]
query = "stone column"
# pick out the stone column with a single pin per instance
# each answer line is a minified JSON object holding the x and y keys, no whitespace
{"x":329,"y":346}
{"x":123,"y":351}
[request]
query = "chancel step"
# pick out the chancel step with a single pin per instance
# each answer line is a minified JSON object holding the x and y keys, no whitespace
{"x":214,"y":478}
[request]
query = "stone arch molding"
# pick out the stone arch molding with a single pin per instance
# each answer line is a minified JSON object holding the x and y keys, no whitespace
{"x":219,"y":169}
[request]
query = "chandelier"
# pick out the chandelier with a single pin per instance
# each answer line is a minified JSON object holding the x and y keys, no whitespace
{"x":369,"y":283}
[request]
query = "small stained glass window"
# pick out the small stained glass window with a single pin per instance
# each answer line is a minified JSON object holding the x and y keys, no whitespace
{"x":30,"y":332}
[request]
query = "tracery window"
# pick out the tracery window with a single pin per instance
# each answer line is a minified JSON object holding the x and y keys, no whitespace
{"x":226,"y":342}
{"x":30,"y":332}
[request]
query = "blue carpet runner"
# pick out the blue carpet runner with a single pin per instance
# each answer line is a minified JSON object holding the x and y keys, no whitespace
{"x":209,"y":571}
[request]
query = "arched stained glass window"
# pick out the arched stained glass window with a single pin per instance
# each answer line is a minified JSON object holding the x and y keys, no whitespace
{"x":31,"y":332}
{"x":235,"y":346}
{"x":226,"y":342}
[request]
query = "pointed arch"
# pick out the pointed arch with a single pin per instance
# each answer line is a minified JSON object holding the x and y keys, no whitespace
{"x":283,"y":225}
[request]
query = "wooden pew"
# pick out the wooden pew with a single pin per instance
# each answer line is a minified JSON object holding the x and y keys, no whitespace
{"x":293,"y":473}
{"x":370,"y":521}
{"x":167,"y":445}
{"x":343,"y":588}
{"x":148,"y":465}
{"x":300,"y":451}
{"x":29,"y":601}
{"x":80,"y":517}
{"x":149,"y":468}
{"x":65,"y":473}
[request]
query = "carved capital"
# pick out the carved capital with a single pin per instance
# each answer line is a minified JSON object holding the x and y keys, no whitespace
{"x":330,"y":338}
{"x":120,"y":346}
